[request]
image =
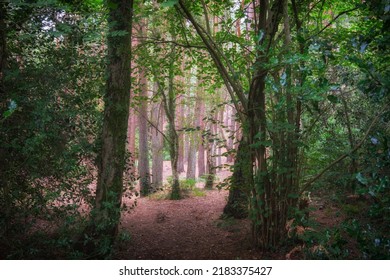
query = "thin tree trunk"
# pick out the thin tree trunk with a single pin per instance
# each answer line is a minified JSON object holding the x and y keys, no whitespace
{"x":191,"y":136}
{"x":143,"y":156}
{"x":232,"y":128}
{"x":210,"y":166}
{"x":191,"y":166}
{"x":179,"y":121}
{"x":219,"y":146}
{"x":132,"y":124}
{"x":157,"y":118}
{"x":169,"y":101}
{"x":174,"y":138}
{"x":143,"y":148}
{"x":200,"y":109}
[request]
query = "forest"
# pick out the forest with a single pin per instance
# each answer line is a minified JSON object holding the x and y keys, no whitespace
{"x":177,"y":129}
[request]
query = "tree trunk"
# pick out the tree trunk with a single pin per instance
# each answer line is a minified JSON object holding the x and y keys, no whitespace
{"x":191,"y":163}
{"x":169,"y":101}
{"x":200,"y":108}
{"x":179,"y":121}
{"x":143,"y":149}
{"x":103,"y":228}
{"x":131,"y":125}
{"x":219,"y":145}
{"x":237,"y":204}
{"x":231,"y":137}
{"x":211,"y":147}
{"x":143,"y":156}
{"x":157,"y":119}
{"x":174,"y":138}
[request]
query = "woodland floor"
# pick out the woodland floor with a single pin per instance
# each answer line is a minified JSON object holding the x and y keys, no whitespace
{"x":192,"y":228}
{"x":185,"y":229}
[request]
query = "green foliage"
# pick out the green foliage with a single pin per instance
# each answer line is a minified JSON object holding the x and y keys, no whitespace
{"x":198,"y":192}
{"x":54,"y":85}
{"x":187,"y":184}
{"x":169,"y":3}
{"x":373,"y":243}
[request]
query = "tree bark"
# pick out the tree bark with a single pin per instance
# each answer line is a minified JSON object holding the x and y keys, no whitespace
{"x":200,"y":114}
{"x":169,"y":102}
{"x":179,"y":126}
{"x":170,"y":108}
{"x":211,"y":148}
{"x":157,"y":119}
{"x":191,"y":159}
{"x":100,"y":234}
{"x":143,"y":156}
{"x":131,"y":125}
{"x":237,"y":204}
{"x":231,"y":124}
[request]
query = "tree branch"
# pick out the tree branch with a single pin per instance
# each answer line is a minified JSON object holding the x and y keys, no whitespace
{"x":319,"y":175}
{"x":332,"y":21}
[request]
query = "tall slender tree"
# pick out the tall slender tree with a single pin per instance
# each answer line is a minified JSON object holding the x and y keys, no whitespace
{"x":143,"y":156}
{"x":157,"y":130}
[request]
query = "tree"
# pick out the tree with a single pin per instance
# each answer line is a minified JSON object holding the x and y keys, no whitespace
{"x":106,"y":213}
{"x":273,"y":179}
{"x":199,"y":116}
{"x":158,"y":120}
{"x":143,"y":151}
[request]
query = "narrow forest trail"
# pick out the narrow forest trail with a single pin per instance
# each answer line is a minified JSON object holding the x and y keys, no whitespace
{"x":185,"y":229}
{"x":190,"y":228}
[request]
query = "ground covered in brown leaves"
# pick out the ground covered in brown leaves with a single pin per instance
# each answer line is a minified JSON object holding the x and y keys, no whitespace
{"x":190,"y":228}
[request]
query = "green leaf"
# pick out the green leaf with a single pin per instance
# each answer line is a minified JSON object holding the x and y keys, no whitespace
{"x":169,"y":3}
{"x":112,"y":5}
{"x":333,"y":98}
{"x":7,"y":113}
{"x":361,"y":179}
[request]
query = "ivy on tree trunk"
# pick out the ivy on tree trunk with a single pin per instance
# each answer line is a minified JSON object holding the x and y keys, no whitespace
{"x":105,"y":216}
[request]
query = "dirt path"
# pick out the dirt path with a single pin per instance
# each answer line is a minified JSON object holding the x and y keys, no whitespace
{"x":185,"y":229}
{"x":191,"y":228}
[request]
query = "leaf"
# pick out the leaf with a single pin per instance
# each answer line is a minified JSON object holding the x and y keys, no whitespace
{"x":283,"y":79}
{"x":361,"y":179}
{"x":363,"y":47}
{"x":333,"y":98}
{"x":169,"y":3}
{"x":7,"y":113}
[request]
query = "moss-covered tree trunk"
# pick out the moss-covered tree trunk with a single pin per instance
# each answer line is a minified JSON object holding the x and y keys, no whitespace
{"x":105,"y":216}
{"x":240,"y":183}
